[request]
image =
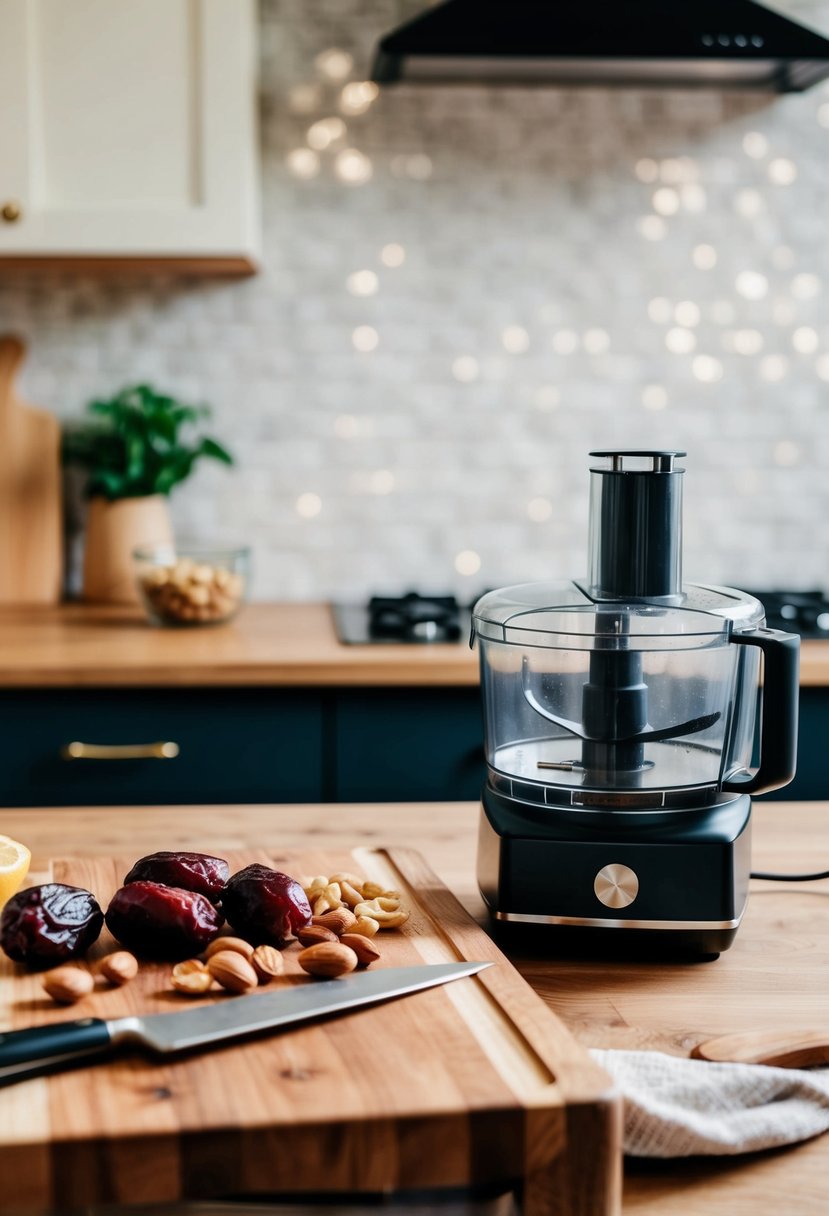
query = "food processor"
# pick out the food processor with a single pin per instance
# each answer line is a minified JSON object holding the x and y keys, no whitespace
{"x":625,"y":729}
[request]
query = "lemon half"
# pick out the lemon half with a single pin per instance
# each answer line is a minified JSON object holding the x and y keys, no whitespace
{"x":14,"y":866}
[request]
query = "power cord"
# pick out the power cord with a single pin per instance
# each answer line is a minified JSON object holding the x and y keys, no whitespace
{"x":790,"y":877}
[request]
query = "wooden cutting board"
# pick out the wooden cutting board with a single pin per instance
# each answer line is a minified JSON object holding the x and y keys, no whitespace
{"x":31,"y":541}
{"x":474,"y":1084}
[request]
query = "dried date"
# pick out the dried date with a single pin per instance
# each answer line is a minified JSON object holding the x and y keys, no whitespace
{"x":265,"y":906}
{"x":47,"y":925}
{"x":162,"y":922}
{"x":188,"y":871}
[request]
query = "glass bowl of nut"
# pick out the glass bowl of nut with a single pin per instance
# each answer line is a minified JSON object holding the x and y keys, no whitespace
{"x":191,"y":584}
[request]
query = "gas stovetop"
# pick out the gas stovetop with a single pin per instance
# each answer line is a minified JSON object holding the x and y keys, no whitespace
{"x":417,"y":619}
{"x":405,"y":619}
{"x":803,"y":612}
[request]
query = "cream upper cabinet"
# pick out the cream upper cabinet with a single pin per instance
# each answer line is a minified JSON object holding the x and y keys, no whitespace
{"x":128,"y":130}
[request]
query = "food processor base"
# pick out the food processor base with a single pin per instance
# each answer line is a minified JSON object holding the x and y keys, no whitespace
{"x":672,"y":879}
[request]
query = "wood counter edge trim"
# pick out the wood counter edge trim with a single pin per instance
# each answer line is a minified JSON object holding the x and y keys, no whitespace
{"x":336,"y":673}
{"x":201,"y":264}
{"x":357,"y":673}
{"x":257,"y":675}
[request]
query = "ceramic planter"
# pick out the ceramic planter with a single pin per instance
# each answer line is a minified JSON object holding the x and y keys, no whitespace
{"x":113,"y":531}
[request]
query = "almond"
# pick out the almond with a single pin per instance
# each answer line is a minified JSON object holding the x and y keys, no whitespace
{"x":191,"y":977}
{"x":68,"y":984}
{"x":232,"y":971}
{"x":267,"y":962}
{"x":366,"y":951}
{"x":328,"y":959}
{"x":119,"y":968}
{"x":339,"y":921}
{"x":230,"y":943}
{"x":312,"y":934}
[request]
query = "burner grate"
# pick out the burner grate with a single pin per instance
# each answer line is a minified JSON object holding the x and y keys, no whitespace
{"x":406,"y":619}
{"x":803,"y":612}
{"x":415,"y":618}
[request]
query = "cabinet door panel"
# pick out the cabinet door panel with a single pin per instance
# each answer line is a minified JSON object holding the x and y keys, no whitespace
{"x":250,"y":745}
{"x":811,"y":779}
{"x":128,"y":127}
{"x":91,"y":135}
{"x":409,"y":745}
{"x":14,"y":107}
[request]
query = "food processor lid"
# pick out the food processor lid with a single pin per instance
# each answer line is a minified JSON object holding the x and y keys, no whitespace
{"x":563,"y":615}
{"x":744,"y":611}
{"x":632,"y":597}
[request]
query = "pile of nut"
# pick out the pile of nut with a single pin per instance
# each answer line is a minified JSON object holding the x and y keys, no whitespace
{"x":347,"y":913}
{"x":191,"y":592}
{"x":232,"y":963}
{"x":174,"y":905}
{"x":369,"y":901}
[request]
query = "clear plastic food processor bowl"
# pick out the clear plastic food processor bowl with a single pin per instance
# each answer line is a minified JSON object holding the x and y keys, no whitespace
{"x":583,"y":698}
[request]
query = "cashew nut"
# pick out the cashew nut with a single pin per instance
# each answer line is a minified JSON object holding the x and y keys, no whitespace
{"x":314,"y":887}
{"x":326,"y":900}
{"x":372,"y":889}
{"x":350,"y":879}
{"x":350,"y":895}
{"x":374,"y":906}
{"x":366,"y":926}
{"x":387,"y":918}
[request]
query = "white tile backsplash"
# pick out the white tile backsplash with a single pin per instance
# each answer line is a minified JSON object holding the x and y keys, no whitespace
{"x":556,"y":294}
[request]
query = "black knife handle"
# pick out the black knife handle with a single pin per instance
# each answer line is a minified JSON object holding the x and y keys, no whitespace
{"x":39,"y":1049}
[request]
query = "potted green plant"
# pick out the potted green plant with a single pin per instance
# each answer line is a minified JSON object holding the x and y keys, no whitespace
{"x":135,"y":448}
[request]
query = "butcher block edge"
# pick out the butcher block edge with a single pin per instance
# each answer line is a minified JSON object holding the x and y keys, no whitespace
{"x":476,"y":1084}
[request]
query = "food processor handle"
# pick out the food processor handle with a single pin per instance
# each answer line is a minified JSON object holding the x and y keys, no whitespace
{"x":778,"y":729}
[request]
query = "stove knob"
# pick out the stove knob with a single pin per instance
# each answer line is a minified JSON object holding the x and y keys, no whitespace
{"x":616,"y":885}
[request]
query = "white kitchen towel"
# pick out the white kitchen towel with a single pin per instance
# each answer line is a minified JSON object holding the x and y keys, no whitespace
{"x":675,"y":1107}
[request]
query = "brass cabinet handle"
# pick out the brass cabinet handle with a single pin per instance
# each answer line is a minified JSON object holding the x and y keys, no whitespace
{"x":120,"y":751}
{"x":11,"y":211}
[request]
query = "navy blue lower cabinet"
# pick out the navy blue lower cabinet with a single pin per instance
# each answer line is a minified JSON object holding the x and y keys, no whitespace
{"x":279,"y":745}
{"x":408,"y":745}
{"x":225,"y":745}
{"x":812,"y":777}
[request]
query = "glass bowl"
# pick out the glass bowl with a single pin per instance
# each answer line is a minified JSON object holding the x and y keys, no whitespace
{"x":184,"y":585}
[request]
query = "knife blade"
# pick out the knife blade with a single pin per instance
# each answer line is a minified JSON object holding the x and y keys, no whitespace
{"x":40,"y":1049}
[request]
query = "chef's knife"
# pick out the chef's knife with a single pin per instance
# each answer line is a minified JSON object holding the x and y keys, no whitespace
{"x":39,"y":1049}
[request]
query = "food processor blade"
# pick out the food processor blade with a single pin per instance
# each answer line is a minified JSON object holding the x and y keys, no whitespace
{"x":647,"y":734}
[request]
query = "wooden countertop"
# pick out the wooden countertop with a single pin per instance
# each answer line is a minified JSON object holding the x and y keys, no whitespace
{"x":267,"y":644}
{"x":776,"y":974}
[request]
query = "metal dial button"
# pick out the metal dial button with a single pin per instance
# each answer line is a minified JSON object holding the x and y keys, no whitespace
{"x":616,"y":885}
{"x":11,"y":211}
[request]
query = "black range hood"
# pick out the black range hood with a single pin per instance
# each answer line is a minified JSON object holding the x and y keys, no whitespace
{"x":718,"y":44}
